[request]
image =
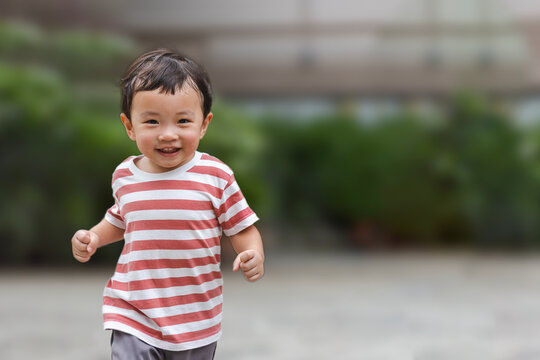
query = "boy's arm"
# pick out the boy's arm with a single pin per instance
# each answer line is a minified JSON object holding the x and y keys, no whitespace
{"x":249,"y":247}
{"x":85,"y":242}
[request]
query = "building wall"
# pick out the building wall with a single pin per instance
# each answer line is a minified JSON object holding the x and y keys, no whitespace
{"x":328,"y":47}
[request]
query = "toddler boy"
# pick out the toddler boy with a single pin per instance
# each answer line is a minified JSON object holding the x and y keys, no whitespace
{"x":172,"y":204}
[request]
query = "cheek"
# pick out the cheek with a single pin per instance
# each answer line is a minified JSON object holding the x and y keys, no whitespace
{"x":191,"y":136}
{"x":145,"y":139}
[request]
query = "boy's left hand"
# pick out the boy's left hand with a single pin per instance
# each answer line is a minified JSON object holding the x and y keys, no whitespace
{"x":252,"y":264}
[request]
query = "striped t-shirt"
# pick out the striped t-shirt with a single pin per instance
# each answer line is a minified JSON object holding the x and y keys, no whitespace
{"x":167,"y":287}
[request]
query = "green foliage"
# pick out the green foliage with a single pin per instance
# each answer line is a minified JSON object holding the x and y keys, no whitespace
{"x":238,"y":141}
{"x":77,"y":54}
{"x":462,"y":179}
{"x":19,"y":39}
{"x":60,"y":140}
{"x":498,"y":186}
{"x":471,"y":177}
{"x":350,"y":172}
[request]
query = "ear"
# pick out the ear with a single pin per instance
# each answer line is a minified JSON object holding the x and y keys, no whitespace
{"x":205,"y":124}
{"x":128,"y":126}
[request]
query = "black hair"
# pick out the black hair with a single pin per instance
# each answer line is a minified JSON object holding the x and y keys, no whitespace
{"x":168,"y":71}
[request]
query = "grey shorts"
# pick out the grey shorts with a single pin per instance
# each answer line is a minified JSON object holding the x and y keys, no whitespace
{"x":129,"y":347}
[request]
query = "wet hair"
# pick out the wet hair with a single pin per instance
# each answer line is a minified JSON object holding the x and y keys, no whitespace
{"x":167,"y":71}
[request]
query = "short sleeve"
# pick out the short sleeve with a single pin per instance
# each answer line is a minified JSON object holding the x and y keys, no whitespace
{"x":234,"y":213}
{"x":113,"y":216}
{"x":114,"y":213}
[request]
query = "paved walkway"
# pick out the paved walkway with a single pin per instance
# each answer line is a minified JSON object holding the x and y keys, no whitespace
{"x":367,"y":307}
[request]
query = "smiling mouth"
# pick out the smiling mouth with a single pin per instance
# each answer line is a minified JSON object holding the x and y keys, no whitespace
{"x":171,"y":150}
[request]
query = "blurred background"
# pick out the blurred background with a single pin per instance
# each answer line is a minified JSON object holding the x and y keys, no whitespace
{"x":366,"y":130}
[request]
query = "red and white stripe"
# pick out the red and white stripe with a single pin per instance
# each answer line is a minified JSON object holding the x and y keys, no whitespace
{"x":167,"y":287}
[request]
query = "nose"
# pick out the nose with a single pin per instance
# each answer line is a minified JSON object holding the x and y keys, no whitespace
{"x":168,"y":134}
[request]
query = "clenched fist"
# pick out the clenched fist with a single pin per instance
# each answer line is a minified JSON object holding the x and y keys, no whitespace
{"x":252,"y":264}
{"x":84,"y":244}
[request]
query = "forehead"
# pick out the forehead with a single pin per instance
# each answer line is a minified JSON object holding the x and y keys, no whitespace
{"x":183,"y":100}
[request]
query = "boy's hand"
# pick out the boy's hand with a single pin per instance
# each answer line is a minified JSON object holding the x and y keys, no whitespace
{"x":84,"y":244}
{"x":252,"y":264}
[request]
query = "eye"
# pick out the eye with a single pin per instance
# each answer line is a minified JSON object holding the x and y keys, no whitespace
{"x":151,"y":122}
{"x":183,"y":121}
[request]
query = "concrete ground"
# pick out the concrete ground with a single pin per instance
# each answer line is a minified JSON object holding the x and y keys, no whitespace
{"x":366,"y":307}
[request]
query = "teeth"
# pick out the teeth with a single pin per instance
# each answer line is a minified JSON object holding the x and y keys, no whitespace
{"x":168,"y":150}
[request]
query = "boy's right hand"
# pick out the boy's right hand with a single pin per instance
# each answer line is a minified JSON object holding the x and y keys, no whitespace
{"x":84,"y":244}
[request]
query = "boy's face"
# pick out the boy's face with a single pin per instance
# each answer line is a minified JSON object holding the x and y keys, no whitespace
{"x":167,"y":128}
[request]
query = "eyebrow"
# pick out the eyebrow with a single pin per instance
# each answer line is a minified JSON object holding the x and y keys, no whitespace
{"x":154,"y":113}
